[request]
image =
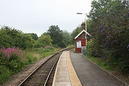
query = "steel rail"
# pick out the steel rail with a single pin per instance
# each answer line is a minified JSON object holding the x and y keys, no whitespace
{"x":45,"y":84}
{"x":36,"y":69}
{"x":21,"y":83}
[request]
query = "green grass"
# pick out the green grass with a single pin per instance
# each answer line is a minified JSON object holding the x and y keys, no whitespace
{"x":5,"y":73}
{"x":36,"y":54}
{"x":29,"y":56}
{"x":101,"y":62}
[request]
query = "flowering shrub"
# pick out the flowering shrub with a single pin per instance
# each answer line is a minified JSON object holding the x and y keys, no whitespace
{"x":10,"y":57}
{"x":9,"y":52}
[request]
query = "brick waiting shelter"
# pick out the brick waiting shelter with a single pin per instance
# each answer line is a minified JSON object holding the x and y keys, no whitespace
{"x":81,"y":41}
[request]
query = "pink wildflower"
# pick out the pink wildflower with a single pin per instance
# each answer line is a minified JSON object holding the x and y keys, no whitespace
{"x":8,"y":52}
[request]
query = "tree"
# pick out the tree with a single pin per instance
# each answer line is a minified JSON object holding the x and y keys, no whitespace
{"x":44,"y":40}
{"x":76,"y":32}
{"x":9,"y":37}
{"x":56,"y":35}
{"x":67,"y":39}
{"x":34,"y":36}
{"x":109,"y":21}
{"x":14,"y":38}
{"x":27,"y":41}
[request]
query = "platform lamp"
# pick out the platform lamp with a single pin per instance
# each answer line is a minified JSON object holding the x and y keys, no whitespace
{"x":85,"y":25}
{"x":84,"y":20}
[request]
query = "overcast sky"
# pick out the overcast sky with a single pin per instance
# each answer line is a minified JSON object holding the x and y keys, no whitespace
{"x":37,"y":15}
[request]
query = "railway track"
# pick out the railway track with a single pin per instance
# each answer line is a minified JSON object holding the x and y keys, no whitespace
{"x":43,"y":75}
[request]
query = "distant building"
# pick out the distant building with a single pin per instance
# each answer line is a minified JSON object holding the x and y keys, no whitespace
{"x":81,"y":41}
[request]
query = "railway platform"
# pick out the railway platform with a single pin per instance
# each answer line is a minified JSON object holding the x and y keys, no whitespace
{"x":92,"y":75}
{"x":65,"y":74}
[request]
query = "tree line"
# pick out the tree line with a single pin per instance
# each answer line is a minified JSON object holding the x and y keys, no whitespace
{"x":18,"y":49}
{"x":109,"y":25}
{"x":13,"y":38}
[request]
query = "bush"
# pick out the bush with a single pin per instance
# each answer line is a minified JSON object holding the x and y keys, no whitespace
{"x":10,"y":62}
{"x":4,"y":73}
{"x":10,"y":58}
{"x":43,"y":41}
{"x":14,"y":38}
{"x":15,"y":64}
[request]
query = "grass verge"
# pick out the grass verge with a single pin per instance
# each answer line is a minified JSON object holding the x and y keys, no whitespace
{"x":9,"y":68}
{"x":101,"y":62}
{"x":35,"y":54}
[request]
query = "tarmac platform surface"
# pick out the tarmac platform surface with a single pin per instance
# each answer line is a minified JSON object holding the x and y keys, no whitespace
{"x":90,"y":74}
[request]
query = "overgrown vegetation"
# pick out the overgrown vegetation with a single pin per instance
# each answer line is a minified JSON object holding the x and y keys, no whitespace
{"x":102,"y":62}
{"x":18,"y":49}
{"x":13,"y":60}
{"x":109,"y":24}
{"x":14,"y":38}
{"x":43,"y":41}
{"x":10,"y":62}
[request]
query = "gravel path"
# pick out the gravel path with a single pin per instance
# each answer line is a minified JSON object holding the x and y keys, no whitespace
{"x":91,"y":75}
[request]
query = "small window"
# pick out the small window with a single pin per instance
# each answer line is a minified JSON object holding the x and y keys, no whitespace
{"x":78,"y":44}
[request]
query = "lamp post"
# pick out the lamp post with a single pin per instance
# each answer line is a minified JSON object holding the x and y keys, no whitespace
{"x":85,"y":27}
{"x":84,"y":20}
